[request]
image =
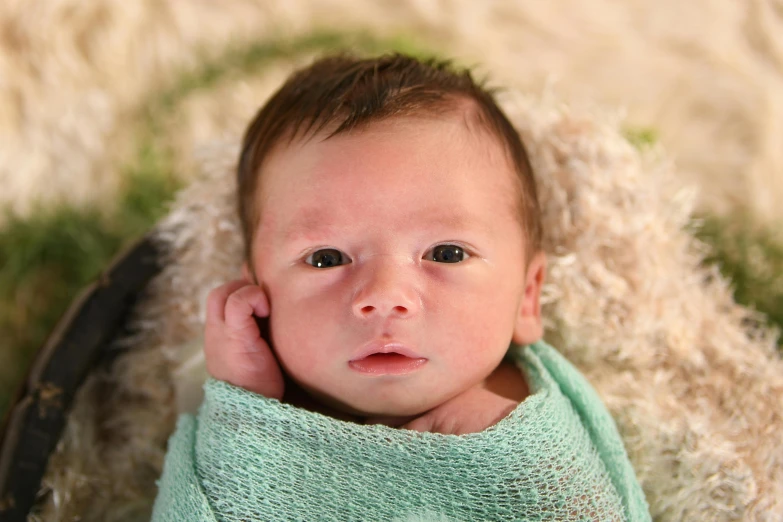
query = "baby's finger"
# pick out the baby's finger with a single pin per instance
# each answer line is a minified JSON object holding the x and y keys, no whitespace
{"x":216,"y":300}
{"x":244,"y":303}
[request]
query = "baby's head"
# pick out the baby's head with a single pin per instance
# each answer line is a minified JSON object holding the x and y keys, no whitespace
{"x":389,"y":212}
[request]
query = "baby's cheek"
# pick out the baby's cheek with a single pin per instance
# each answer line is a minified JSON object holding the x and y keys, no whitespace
{"x":301,"y":333}
{"x":289,"y":332}
{"x":483,"y":330}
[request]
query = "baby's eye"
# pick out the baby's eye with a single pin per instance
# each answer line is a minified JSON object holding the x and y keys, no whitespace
{"x":326,"y":257}
{"x":447,"y":254}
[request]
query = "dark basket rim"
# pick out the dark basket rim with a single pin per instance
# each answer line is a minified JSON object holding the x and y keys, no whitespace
{"x":36,"y":416}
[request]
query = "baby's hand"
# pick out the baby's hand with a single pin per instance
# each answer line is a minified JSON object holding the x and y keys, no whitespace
{"x":233,"y":347}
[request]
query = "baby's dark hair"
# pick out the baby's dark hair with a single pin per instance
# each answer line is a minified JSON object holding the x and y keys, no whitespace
{"x":343,"y":93}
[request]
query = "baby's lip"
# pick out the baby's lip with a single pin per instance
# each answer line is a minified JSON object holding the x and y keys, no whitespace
{"x":386,"y":358}
{"x":385,"y":347}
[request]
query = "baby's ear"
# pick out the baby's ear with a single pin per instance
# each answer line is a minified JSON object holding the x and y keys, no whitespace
{"x":528,"y":327}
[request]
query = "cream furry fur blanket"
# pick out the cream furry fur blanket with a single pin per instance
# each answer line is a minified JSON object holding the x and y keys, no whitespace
{"x":694,"y":384}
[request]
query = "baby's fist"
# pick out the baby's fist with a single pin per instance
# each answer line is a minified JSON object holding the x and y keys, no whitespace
{"x":233,"y":347}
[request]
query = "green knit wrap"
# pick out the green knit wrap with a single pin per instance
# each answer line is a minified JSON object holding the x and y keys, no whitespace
{"x":557,"y":456}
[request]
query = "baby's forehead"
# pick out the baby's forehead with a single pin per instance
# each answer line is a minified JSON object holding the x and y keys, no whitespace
{"x":463,"y":123}
{"x":422,"y":171}
{"x":458,"y":134}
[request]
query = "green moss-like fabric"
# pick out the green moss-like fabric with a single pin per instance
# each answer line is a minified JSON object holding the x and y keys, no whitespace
{"x":557,"y":456}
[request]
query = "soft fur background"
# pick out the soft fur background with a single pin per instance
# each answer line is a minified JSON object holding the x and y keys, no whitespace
{"x":706,"y":75}
{"x":693,"y":385}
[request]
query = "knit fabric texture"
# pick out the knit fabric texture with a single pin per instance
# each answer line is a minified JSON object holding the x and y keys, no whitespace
{"x":557,"y":456}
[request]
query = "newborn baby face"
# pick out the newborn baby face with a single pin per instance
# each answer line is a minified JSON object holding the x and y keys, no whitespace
{"x":394,"y":263}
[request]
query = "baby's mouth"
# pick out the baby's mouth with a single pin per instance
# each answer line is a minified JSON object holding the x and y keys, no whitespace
{"x":386,"y":364}
{"x":386,"y":359}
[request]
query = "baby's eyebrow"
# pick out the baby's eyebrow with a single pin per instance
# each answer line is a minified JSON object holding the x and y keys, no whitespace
{"x":303,"y":232}
{"x":310,"y":224}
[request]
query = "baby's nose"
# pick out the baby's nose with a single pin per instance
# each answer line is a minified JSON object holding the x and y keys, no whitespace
{"x":387,"y":288}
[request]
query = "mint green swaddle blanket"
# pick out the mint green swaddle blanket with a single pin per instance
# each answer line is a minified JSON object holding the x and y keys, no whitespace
{"x":557,"y":456}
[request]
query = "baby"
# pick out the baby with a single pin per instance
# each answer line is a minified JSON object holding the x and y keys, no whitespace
{"x":394,"y":243}
{"x":393,"y":254}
